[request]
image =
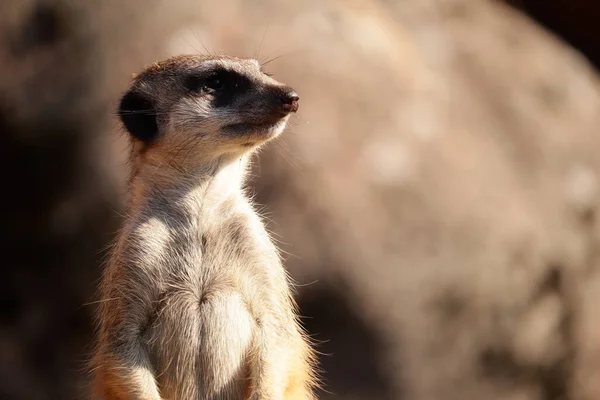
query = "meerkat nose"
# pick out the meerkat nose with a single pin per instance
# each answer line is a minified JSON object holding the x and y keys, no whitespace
{"x":290,"y":101}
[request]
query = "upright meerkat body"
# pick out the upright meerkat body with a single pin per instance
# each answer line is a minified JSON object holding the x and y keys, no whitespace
{"x":195,"y":303}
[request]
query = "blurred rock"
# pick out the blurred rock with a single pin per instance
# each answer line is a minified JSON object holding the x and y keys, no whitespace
{"x":437,"y":193}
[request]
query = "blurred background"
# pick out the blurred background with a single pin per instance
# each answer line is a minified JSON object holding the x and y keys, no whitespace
{"x":436,"y":196}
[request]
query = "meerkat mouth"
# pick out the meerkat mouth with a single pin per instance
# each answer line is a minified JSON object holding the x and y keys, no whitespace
{"x":246,"y":128}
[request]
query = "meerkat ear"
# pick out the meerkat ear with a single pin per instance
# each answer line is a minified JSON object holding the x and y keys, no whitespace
{"x":138,"y":116}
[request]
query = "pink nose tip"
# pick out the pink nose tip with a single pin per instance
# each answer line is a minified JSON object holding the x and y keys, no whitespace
{"x":290,"y":101}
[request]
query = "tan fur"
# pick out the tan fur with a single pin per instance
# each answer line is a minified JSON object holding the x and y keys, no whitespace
{"x":195,"y":303}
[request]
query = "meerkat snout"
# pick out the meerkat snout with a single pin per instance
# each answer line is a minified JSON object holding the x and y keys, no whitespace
{"x":290,"y":101}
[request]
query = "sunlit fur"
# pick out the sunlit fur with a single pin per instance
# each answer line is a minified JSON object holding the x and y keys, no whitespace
{"x":195,"y":303}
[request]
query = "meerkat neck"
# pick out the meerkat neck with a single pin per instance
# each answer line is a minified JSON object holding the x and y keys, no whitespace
{"x":187,"y":191}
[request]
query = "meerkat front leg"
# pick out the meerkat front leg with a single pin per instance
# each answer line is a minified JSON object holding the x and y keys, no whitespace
{"x":122,"y":364}
{"x":281,"y":365}
{"x":126,"y":374}
{"x":267,"y":379}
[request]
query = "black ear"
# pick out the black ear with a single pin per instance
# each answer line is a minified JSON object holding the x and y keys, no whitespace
{"x":138,"y":115}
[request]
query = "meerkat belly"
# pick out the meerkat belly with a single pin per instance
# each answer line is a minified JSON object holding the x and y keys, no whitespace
{"x":200,"y":338}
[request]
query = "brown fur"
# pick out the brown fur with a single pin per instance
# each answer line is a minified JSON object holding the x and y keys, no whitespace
{"x":195,"y":303}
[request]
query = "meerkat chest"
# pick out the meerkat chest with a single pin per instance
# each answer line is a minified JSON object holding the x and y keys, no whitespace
{"x":239,"y":247}
{"x":229,"y":249}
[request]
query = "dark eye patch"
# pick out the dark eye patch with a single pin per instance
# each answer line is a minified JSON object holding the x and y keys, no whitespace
{"x":216,"y":80}
{"x":222,"y":84}
{"x":193,"y":83}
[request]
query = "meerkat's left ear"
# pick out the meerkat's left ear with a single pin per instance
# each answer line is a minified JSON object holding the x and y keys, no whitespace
{"x":138,"y":115}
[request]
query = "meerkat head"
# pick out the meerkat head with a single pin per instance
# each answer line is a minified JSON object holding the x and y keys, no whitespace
{"x":199,"y":106}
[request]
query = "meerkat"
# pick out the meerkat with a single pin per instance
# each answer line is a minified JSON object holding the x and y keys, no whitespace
{"x":195,"y":302}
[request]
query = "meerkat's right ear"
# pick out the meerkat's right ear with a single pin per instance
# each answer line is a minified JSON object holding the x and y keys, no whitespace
{"x":138,"y":115}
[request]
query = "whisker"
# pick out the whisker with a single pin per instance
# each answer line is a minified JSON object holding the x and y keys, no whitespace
{"x":191,"y":45}
{"x":99,"y":301}
{"x":271,"y":60}
{"x":200,"y":41}
{"x":276,"y":51}
{"x":257,"y":53}
{"x":285,"y":152}
{"x":307,"y":284}
{"x":145,"y":112}
{"x":276,"y":57}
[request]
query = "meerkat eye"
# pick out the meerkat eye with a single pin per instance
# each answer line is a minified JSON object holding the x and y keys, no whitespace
{"x":214,"y":82}
{"x":209,"y":84}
